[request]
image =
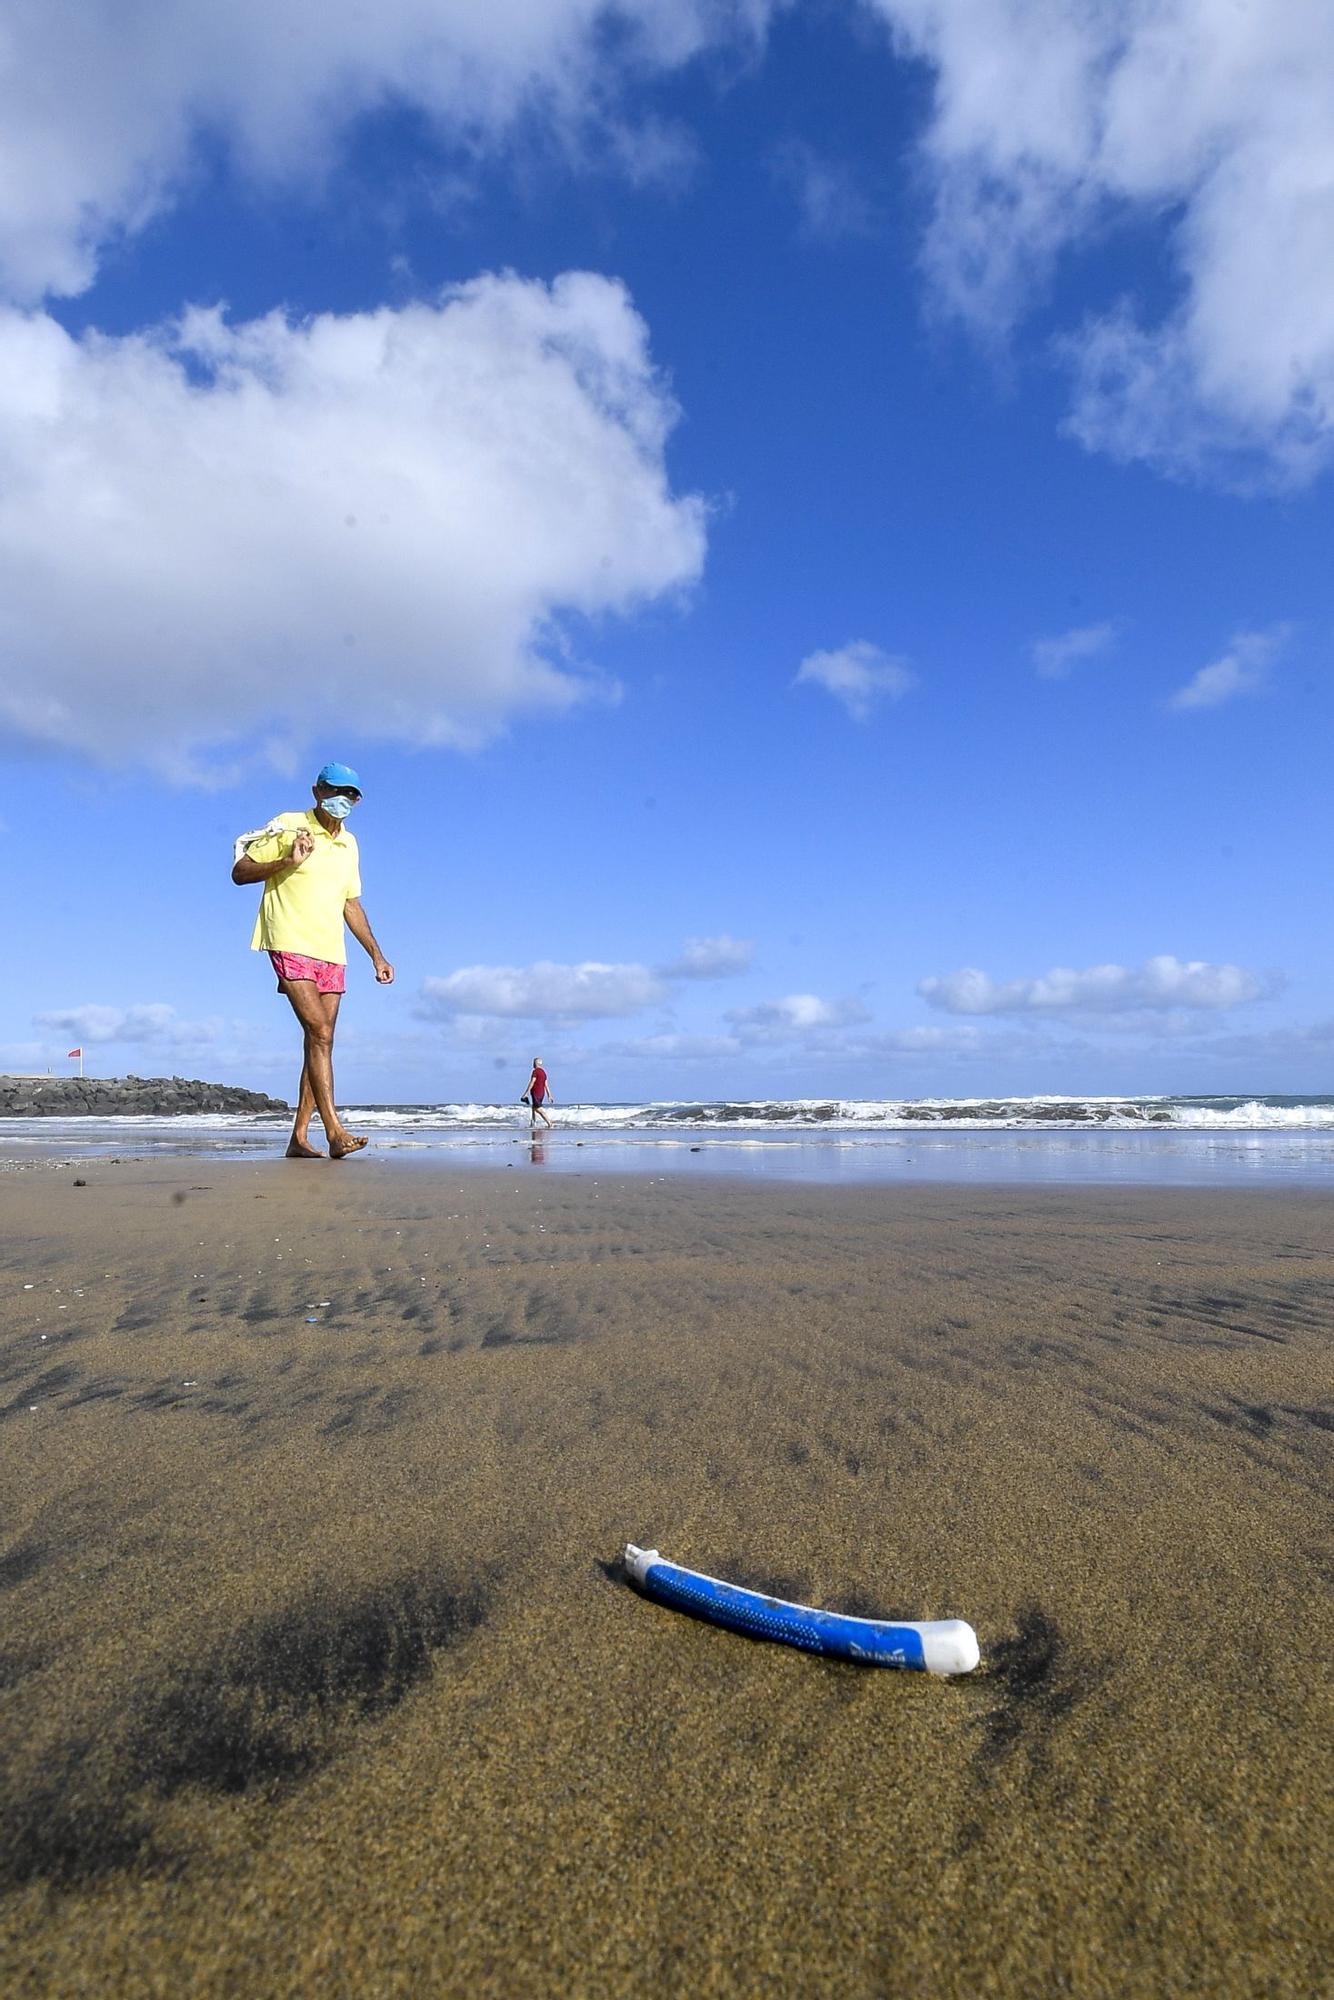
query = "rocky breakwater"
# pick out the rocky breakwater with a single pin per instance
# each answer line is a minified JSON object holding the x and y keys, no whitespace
{"x":124,"y":1096}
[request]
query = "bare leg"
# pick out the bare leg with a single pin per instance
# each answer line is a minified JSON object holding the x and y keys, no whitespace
{"x":341,"y":1141}
{"x":318,"y":1015}
{"x":299,"y":1146}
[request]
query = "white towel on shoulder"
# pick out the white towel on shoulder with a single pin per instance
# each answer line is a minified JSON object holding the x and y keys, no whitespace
{"x":243,"y":841}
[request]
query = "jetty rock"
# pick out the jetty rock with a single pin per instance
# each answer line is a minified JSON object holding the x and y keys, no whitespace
{"x":124,"y":1096}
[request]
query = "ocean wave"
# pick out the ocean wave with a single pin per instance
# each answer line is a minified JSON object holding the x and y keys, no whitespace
{"x":810,"y":1117}
{"x":1037,"y":1113}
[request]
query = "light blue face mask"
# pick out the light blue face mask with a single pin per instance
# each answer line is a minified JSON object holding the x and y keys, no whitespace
{"x":337,"y":807}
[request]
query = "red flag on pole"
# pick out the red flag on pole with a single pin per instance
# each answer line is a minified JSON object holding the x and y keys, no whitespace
{"x":73,"y":1052}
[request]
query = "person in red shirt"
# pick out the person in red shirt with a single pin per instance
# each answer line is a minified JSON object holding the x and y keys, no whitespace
{"x":537,"y":1092}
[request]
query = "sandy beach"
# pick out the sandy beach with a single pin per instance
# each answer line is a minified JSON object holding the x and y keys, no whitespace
{"x":317,"y":1677}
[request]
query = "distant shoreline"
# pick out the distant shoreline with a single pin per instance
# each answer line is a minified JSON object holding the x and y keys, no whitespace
{"x":124,"y":1096}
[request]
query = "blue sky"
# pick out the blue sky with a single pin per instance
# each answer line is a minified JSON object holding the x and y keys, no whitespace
{"x":812,"y":521}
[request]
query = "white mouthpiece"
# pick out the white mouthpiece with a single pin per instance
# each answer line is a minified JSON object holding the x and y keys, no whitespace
{"x":637,"y":1562}
{"x":949,"y":1646}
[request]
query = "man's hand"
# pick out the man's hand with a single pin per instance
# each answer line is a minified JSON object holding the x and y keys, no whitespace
{"x":248,"y":870}
{"x":384,"y":971}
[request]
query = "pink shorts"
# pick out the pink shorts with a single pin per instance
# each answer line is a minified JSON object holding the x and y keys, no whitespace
{"x":291,"y":965}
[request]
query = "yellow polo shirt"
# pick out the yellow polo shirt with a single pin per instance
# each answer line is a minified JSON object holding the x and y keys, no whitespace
{"x":301,"y":909}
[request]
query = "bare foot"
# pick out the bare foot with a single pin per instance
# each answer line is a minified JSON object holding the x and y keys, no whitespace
{"x":347,"y":1142}
{"x":297,"y":1149}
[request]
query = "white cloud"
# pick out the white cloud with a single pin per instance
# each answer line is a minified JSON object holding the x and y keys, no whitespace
{"x":542,"y":992}
{"x":859,"y":675}
{"x":105,"y":110}
{"x":478,"y":996}
{"x":1055,"y":657}
{"x":711,"y":958}
{"x":1160,"y":984}
{"x":152,"y":1022}
{"x":1056,"y":118}
{"x":1242,"y":669}
{"x":362,"y":526}
{"x":795,"y":1015}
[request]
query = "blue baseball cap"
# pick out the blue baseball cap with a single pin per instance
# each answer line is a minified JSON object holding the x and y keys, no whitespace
{"x":338,"y":774}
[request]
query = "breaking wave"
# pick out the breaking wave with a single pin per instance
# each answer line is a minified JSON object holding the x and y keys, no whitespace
{"x":1053,"y":1139}
{"x":1016,"y":1114}
{"x":834,"y":1116}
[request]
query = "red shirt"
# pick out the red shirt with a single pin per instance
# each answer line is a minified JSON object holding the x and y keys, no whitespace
{"x":537,"y":1089}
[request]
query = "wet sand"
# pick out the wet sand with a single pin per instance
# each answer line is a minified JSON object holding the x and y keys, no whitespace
{"x":316,"y":1676}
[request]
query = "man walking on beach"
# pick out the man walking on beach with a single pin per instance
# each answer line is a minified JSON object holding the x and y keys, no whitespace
{"x":537,"y":1093}
{"x":309,"y":865}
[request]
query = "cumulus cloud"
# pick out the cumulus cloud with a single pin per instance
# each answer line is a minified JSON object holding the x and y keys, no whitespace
{"x":152,"y":1022}
{"x":365,"y":525}
{"x":589,"y":991}
{"x":542,"y":992}
{"x":796,"y":1014}
{"x":711,"y":958}
{"x":1054,"y":658}
{"x":105,"y":110}
{"x":1054,"y":120}
{"x":1158,"y":986}
{"x":858,"y":675}
{"x":1242,"y":669}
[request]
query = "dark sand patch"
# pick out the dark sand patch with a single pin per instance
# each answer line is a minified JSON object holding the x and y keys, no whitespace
{"x":316,"y":1676}
{"x":265,"y":1707}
